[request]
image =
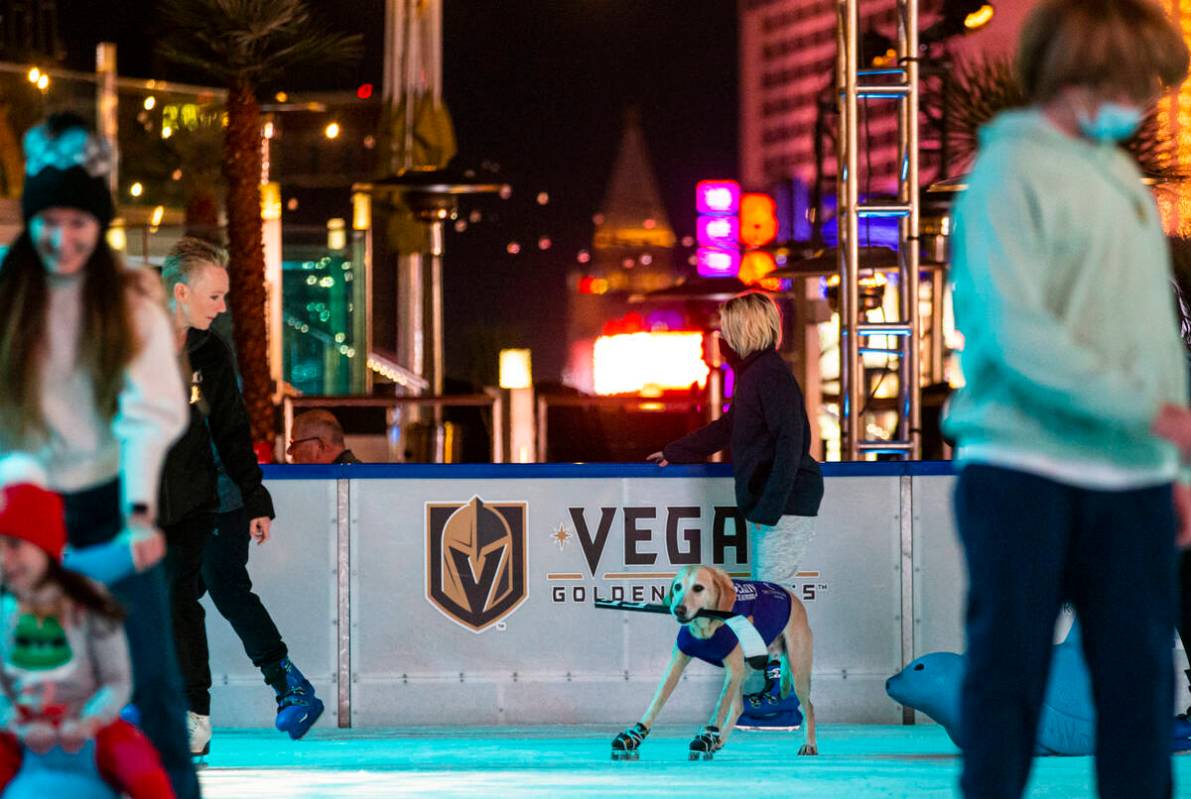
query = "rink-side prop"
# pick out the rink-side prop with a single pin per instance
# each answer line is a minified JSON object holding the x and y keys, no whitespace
{"x":932,"y":684}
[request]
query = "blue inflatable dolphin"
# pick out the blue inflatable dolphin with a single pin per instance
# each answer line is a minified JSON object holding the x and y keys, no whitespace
{"x":1067,"y":726}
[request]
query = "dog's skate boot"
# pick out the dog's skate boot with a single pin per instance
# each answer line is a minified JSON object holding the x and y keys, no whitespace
{"x":627,"y":745}
{"x":705,"y":744}
{"x":766,"y":712}
{"x":297,"y":706}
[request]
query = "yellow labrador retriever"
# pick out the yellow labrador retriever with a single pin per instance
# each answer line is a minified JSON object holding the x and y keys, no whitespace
{"x":774,"y":612}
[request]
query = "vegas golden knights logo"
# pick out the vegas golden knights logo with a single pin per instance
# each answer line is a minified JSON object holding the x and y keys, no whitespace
{"x":476,"y":560}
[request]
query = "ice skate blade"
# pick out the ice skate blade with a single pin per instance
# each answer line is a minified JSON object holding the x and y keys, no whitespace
{"x":701,"y":755}
{"x":768,"y":727}
{"x":625,"y":756}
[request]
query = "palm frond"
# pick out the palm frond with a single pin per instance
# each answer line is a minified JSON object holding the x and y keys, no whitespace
{"x":251,"y":41}
{"x":981,"y":88}
{"x":985,"y":86}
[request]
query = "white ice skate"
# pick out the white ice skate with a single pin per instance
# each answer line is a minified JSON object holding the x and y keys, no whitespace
{"x":198,"y":729}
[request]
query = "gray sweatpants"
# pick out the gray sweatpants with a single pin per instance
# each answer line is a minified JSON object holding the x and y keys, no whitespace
{"x":778,"y":550}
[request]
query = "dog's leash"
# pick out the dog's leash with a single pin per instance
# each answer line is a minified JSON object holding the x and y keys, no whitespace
{"x":755,"y":651}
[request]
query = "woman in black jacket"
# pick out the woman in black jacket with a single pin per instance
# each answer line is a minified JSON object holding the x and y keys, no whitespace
{"x":778,"y":484}
{"x":208,"y":536}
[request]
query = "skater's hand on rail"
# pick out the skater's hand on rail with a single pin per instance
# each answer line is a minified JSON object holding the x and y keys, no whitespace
{"x":259,"y":529}
{"x":1173,"y":423}
{"x":659,"y":459}
{"x":1182,"y":507}
{"x":39,"y":736}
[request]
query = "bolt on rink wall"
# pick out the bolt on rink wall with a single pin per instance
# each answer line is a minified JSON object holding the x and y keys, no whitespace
{"x":464,"y":594}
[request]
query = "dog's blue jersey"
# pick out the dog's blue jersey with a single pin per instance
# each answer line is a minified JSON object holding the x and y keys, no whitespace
{"x":767,"y":603}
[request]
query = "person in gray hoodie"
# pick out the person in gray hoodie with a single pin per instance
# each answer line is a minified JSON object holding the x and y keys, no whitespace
{"x":1068,"y":488}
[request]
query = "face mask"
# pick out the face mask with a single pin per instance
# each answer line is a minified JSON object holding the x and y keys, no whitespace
{"x":1113,"y":122}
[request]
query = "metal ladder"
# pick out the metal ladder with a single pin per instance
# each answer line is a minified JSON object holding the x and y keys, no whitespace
{"x":899,"y":84}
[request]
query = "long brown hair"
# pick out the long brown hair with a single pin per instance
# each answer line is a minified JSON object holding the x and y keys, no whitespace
{"x":107,"y":341}
{"x":84,"y":592}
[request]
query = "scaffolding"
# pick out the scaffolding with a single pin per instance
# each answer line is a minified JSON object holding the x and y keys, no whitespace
{"x":896,"y":84}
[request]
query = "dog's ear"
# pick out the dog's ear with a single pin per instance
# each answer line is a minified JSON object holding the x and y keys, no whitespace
{"x":669,"y":599}
{"x":725,"y":589}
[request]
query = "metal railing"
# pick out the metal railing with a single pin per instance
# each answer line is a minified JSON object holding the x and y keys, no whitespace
{"x":899,"y":84}
{"x":545,"y":402}
{"x":492,"y":400}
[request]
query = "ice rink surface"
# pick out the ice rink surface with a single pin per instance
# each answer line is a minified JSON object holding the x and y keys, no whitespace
{"x":856,"y":762}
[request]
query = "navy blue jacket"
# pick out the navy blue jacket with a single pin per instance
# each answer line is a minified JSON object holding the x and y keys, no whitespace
{"x":770,"y":437}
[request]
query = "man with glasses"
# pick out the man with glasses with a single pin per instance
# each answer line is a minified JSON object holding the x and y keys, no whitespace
{"x":317,"y":437}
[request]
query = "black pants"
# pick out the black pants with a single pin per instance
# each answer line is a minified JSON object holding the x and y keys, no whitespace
{"x":211,"y":554}
{"x":93,"y":517}
{"x":1185,"y":594}
{"x":1031,"y":544}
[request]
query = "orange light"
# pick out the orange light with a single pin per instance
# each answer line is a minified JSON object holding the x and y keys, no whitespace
{"x":590,"y":284}
{"x":980,"y":17}
{"x":632,"y":362}
{"x":758,"y":219}
{"x":755,"y":266}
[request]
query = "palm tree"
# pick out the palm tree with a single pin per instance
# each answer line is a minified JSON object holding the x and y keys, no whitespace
{"x":243,"y":44}
{"x":985,"y":86}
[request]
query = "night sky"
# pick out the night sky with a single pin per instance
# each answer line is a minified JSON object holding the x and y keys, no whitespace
{"x":541,"y":88}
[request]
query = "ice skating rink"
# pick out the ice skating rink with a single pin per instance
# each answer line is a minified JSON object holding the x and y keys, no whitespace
{"x":857,"y":762}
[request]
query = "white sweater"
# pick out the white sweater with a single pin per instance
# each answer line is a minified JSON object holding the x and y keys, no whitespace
{"x":84,"y":449}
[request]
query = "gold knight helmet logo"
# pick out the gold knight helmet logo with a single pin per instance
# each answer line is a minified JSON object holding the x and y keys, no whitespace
{"x":476,"y":560}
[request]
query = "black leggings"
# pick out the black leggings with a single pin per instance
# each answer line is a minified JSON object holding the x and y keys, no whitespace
{"x":209,"y":553}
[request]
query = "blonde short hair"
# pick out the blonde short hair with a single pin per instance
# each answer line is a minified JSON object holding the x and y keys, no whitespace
{"x":1128,"y":46}
{"x":188,"y":255}
{"x":751,"y":322}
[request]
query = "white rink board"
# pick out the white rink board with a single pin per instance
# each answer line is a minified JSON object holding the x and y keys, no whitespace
{"x":555,"y":658}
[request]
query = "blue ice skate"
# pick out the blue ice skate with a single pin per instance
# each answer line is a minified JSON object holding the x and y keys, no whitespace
{"x":1182,"y":733}
{"x":766,"y":709}
{"x":297,"y":706}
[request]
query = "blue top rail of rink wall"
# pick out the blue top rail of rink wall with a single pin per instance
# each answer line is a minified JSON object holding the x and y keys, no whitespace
{"x":538,"y":471}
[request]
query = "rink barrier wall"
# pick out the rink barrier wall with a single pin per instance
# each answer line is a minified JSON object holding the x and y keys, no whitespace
{"x":348,"y":578}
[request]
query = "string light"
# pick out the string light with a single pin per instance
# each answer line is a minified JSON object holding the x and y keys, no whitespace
{"x":136,"y":189}
{"x":150,"y":102}
{"x":331,"y":131}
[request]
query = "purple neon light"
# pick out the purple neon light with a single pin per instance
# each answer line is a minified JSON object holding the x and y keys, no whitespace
{"x":717,"y":197}
{"x":718,"y":231}
{"x":714,"y":262}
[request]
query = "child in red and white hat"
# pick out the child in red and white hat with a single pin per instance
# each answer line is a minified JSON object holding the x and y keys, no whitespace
{"x":64,"y":664}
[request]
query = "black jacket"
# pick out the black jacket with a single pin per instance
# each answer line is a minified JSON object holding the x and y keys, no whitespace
{"x":770,"y":437}
{"x":217,"y":416}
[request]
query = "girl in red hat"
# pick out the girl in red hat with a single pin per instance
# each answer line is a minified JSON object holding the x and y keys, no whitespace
{"x":64,"y":666}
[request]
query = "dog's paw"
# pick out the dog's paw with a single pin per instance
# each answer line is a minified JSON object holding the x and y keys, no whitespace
{"x":808,"y":749}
